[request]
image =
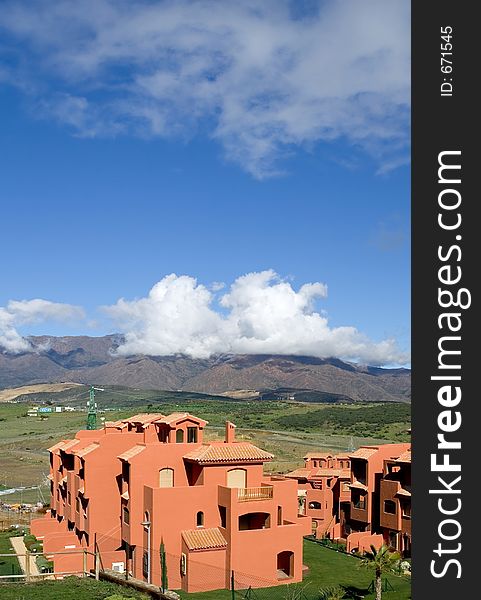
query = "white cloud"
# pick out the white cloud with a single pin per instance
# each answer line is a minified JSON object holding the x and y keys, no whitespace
{"x":18,"y":313}
{"x":255,"y":76}
{"x":260,"y":313}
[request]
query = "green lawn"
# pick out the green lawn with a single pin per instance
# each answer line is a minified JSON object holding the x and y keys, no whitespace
{"x":326,"y":568}
{"x":8,"y":565}
{"x":71,"y":588}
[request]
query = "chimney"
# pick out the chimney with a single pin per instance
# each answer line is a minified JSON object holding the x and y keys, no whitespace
{"x":229,"y":432}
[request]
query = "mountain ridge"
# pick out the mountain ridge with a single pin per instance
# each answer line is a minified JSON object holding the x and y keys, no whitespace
{"x":84,"y":359}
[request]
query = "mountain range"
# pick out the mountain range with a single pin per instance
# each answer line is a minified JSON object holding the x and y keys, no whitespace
{"x":92,"y":360}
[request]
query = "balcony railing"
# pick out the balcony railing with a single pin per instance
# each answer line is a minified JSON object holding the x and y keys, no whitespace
{"x":255,"y":493}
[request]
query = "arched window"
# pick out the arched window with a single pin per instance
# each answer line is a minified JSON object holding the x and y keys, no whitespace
{"x":237,"y":478}
{"x":166,"y":478}
{"x":179,"y":436}
{"x":200,"y":519}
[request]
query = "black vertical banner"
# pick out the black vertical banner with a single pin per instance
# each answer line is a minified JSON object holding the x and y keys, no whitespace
{"x":445,"y":202}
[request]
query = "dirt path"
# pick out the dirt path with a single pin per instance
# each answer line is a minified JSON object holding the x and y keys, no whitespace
{"x":21,"y":550}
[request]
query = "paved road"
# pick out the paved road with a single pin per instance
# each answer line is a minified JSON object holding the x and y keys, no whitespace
{"x":21,"y":550}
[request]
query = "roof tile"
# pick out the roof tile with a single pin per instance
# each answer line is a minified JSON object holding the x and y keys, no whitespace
{"x":225,"y":453}
{"x":204,"y":539}
{"x":131,"y":452}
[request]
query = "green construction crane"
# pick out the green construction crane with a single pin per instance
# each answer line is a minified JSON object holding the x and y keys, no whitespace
{"x":92,"y":408}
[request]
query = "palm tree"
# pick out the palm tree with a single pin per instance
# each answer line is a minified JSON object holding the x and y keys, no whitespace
{"x":381,"y":561}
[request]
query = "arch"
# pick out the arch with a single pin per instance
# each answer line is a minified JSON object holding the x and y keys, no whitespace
{"x":179,"y":436}
{"x":285,"y":564}
{"x":254,"y":520}
{"x":200,"y":519}
{"x":166,"y":478}
{"x":237,"y":478}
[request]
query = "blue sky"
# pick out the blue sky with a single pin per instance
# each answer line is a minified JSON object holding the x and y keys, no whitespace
{"x":118,"y":168}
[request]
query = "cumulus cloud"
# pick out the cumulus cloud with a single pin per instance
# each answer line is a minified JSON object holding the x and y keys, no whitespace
{"x":259,"y":313}
{"x":260,"y":78}
{"x":22,"y":312}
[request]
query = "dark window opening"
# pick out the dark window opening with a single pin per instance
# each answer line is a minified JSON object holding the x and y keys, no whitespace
{"x":389,"y":507}
{"x":223,"y":516}
{"x":126,"y":515}
{"x":179,"y":436}
{"x":254,"y":521}
{"x":191,"y":435}
{"x":285,"y":564}
{"x":200,"y":519}
{"x":315,"y":505}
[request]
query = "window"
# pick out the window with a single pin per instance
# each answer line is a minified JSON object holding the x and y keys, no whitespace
{"x":345,"y":486}
{"x":406,"y":510}
{"x":183,"y":564}
{"x":237,"y":478}
{"x":179,"y":436}
{"x":279,"y":515}
{"x":315,"y":505}
{"x":69,"y":497}
{"x":77,"y":504}
{"x":390,"y":507}
{"x":393,"y":539}
{"x":223,"y":516}
{"x":200,"y":519}
{"x":191,"y":435}
{"x":254,"y":521}
{"x":358,"y":500}
{"x":166,"y":478}
{"x":126,"y":515}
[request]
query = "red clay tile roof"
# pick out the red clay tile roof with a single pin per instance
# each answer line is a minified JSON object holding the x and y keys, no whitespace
{"x":357,"y":485}
{"x":63,"y":445}
{"x":225,"y":453}
{"x":143,"y":418}
{"x":299,"y":474}
{"x":57,"y":446}
{"x":405,"y":456}
{"x":128,"y":454}
{"x":87,"y":450}
{"x":364,"y":452}
{"x":329,"y":472}
{"x":204,"y":539}
{"x":179,"y":416}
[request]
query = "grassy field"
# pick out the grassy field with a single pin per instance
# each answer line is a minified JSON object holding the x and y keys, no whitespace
{"x":286,"y":429}
{"x":71,"y":588}
{"x":8,"y":564}
{"x":326,"y":568}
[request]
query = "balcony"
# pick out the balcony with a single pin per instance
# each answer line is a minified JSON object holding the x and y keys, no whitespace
{"x":255,"y":493}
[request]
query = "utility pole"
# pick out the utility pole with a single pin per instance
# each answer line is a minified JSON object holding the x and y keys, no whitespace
{"x":92,"y":408}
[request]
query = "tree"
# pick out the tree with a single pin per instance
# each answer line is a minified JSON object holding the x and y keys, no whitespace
{"x":380,"y":561}
{"x":163,"y":567}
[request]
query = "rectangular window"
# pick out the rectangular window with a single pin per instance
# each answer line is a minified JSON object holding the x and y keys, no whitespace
{"x":389,"y":507}
{"x":69,"y":497}
{"x":191,"y":435}
{"x":406,"y":510}
{"x":77,"y":504}
{"x":126,"y":515}
{"x":223,"y":516}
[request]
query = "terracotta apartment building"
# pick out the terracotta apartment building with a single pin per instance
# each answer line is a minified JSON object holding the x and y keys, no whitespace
{"x":323,"y":491}
{"x":363,"y":498}
{"x":150,"y":479}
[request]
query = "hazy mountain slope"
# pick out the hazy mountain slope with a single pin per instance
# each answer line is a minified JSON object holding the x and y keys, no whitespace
{"x":92,"y":360}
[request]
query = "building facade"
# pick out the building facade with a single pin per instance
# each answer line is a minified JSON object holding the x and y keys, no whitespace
{"x":150,"y":481}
